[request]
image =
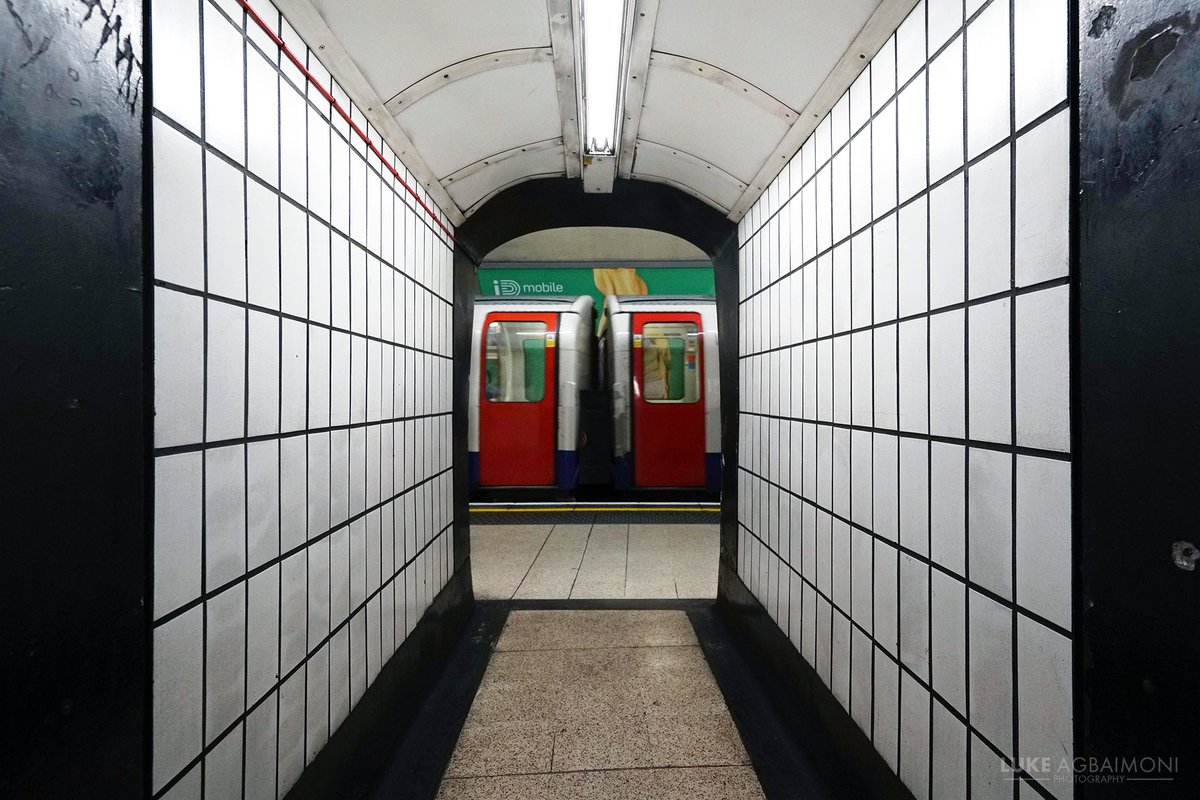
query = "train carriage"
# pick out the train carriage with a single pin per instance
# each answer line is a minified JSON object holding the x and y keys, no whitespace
{"x":663,"y":375}
{"x":529,"y":360}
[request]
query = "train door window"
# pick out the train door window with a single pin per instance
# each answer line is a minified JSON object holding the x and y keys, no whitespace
{"x":670,"y":357}
{"x":515,"y":363}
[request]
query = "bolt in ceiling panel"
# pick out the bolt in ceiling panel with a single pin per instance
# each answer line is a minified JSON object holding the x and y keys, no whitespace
{"x":702,"y":117}
{"x":397,"y":44}
{"x":785,"y":47}
{"x":470,"y":190}
{"x":715,"y":186}
{"x":472,"y":118}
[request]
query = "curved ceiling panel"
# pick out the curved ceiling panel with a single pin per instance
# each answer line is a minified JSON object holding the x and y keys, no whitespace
{"x":784,"y":47}
{"x":397,"y":44}
{"x":470,"y":119}
{"x":705,"y":119}
{"x":470,"y":190}
{"x":717,"y":186}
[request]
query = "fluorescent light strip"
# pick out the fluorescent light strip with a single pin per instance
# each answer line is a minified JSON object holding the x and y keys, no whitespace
{"x":603,"y":27}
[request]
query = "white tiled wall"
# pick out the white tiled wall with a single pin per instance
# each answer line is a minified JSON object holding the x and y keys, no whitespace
{"x":302,"y":344}
{"x":905,"y":460}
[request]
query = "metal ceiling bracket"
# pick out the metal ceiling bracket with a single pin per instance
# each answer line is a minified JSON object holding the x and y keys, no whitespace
{"x":645,"y":18}
{"x":406,"y":99}
{"x":563,"y":24}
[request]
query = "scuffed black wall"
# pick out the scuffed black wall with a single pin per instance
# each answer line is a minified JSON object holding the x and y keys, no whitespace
{"x":1138,"y":391}
{"x":72,"y":532}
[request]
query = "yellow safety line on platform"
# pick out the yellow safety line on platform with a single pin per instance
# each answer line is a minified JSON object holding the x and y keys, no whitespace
{"x":556,"y":509}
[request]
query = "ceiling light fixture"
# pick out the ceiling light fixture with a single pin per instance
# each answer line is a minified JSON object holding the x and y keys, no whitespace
{"x":603,"y":46}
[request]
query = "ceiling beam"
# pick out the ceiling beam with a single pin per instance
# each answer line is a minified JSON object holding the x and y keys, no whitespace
{"x":503,"y":155}
{"x":693,"y":160}
{"x":316,"y":33}
{"x":645,"y":18}
{"x":562,"y":43}
{"x":406,"y":99}
{"x":727,"y":81}
{"x":874,"y":34}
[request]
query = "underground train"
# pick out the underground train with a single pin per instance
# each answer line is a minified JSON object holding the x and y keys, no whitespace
{"x":554,"y":406}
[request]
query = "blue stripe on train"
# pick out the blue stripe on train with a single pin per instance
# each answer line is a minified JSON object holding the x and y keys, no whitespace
{"x":566,"y":468}
{"x":712,"y":472}
{"x":622,"y":472}
{"x":473,"y":469}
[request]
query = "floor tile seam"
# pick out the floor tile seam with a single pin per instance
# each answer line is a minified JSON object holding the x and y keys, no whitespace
{"x":531,"y":563}
{"x":595,"y":647}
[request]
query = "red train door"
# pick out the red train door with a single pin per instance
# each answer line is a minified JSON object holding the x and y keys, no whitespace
{"x":517,"y":404}
{"x":668,"y":400}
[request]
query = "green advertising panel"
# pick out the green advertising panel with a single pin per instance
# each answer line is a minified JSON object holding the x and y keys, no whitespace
{"x":598,"y":279}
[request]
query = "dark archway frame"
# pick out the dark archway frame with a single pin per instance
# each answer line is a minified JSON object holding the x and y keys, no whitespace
{"x":561,"y":203}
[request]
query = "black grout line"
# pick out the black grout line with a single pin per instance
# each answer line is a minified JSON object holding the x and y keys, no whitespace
{"x":204,"y":407}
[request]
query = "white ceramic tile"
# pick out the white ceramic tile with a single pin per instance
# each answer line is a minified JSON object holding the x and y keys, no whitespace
{"x":862,"y":602}
{"x":914,"y":495}
{"x":840,"y":197}
{"x":225,"y":659}
{"x":910,"y":44}
{"x":946,"y":109}
{"x":223,"y":767}
{"x":1040,"y":44}
{"x":178,"y":368}
{"x":261,"y":726}
{"x":914,"y":376}
{"x":317,"y":705}
{"x":178,"y":532}
{"x":319,"y":164}
{"x":262,"y":502}
{"x":886,"y":486}
{"x":861,"y":682}
{"x":842,"y":378}
{"x":318,"y":484}
{"x":262,"y":634}
{"x":914,"y":615}
{"x":177,"y":695}
{"x":175,"y":39}
{"x":262,"y":245}
{"x":859,"y":484}
{"x":339,"y":281}
{"x":226,"y":203}
{"x":885,"y":378}
{"x":263,"y":375}
{"x":914,"y":736}
{"x":339,"y":380}
{"x":861,"y":184}
{"x":860,"y":101}
{"x":946,"y":374}
{"x":225,"y":515}
{"x":339,"y":492}
{"x":883,"y":74}
{"x":990,"y":214}
{"x":187,"y":788}
{"x":947,"y":224}
{"x":318,"y":377}
{"x":179,"y":208}
{"x":262,"y":117}
{"x":339,"y":678}
{"x":991,"y":689}
{"x":912,"y":155}
{"x":1045,"y":689}
{"x":945,"y":17}
{"x":887,"y":709}
{"x":947,"y":505}
{"x":1043,"y":186}
{"x":224,"y":85}
{"x":293,"y":374}
{"x":989,"y":520}
{"x":358,"y":289}
{"x":860,"y":280}
{"x":339,"y":183}
{"x":883,"y":161}
{"x":293,"y":260}
{"x":358,"y":563}
{"x":226,"y":396}
{"x":913,"y":258}
{"x":860,"y":399}
{"x":988,"y":71}
{"x":840,"y":654}
{"x":1044,"y":538}
{"x":293,"y":147}
{"x":885,"y":266}
{"x":1043,"y":370}
{"x":990,"y":371}
{"x":949,"y":742}
{"x":886,"y":591}
{"x":990,"y":779}
{"x":948,"y":651}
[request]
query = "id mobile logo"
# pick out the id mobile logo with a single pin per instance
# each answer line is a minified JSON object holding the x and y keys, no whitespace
{"x":505,"y":287}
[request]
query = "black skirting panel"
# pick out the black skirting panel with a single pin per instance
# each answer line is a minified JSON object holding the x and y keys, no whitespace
{"x":1137,"y":334}
{"x":73,"y":542}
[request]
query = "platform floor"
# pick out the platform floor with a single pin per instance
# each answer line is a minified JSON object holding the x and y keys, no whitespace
{"x":599,"y":704}
{"x":597,"y":560}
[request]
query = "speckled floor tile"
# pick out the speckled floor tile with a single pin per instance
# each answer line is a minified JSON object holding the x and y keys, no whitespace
{"x":558,"y":630}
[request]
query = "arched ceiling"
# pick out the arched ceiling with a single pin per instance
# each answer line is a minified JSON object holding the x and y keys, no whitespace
{"x":479,"y":95}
